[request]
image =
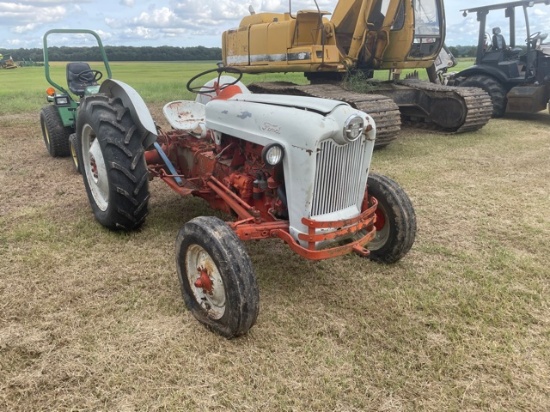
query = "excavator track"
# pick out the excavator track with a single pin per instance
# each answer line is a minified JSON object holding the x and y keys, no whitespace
{"x":445,"y":108}
{"x":382,"y":109}
{"x":411,"y":102}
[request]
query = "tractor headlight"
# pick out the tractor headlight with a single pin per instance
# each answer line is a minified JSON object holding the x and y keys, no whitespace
{"x":272,"y":154}
{"x":61,"y":100}
{"x":353,"y":127}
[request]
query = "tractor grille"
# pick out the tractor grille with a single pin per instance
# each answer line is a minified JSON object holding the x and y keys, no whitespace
{"x":338,"y":177}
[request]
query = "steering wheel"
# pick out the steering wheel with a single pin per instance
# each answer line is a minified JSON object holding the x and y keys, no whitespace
{"x":216,"y":89}
{"x":536,"y":36}
{"x":84,"y":76}
{"x":533,"y":36}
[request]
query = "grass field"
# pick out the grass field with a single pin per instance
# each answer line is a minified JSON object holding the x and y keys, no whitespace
{"x":157,"y":82}
{"x":94,"y":320}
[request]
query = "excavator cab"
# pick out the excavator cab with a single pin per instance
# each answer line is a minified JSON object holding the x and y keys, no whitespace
{"x":399,"y":33}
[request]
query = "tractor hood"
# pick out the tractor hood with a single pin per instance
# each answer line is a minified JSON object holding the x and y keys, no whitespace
{"x":289,"y":120}
{"x":322,"y":106}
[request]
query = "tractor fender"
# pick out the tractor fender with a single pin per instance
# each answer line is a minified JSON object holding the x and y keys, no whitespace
{"x":483,"y":70}
{"x":133,"y":101}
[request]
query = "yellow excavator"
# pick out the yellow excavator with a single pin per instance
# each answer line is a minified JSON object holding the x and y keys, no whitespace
{"x":361,"y":36}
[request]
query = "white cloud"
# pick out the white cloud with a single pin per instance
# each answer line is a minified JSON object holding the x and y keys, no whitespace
{"x":141,"y":33}
{"x":188,"y":22}
{"x":163,"y":17}
{"x":25,"y":28}
{"x":273,"y":5}
{"x":25,"y":18}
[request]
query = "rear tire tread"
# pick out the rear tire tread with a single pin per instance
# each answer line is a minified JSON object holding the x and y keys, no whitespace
{"x":121,"y":145}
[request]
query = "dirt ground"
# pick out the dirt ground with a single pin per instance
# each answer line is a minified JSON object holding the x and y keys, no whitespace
{"x":94,"y":320}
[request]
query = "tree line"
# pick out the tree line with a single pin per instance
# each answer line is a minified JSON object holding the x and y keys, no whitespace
{"x":146,"y":53}
{"x":463,"y":51}
{"x":117,"y":53}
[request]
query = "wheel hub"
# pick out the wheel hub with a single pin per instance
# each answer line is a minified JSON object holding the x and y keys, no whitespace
{"x":380,"y":219}
{"x":203,"y":281}
{"x":382,"y":229}
{"x":93,"y":168}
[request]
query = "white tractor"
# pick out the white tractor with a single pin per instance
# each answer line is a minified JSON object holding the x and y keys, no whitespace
{"x":293,"y":168}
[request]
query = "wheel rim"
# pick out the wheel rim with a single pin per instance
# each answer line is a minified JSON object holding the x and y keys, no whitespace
{"x":95,"y":168}
{"x":46,"y":134}
{"x":47,"y":137}
{"x":205,"y":281}
{"x":382,"y":229}
{"x":74,"y":155}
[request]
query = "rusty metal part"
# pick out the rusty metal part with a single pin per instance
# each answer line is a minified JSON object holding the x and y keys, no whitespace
{"x":382,"y":109}
{"x":356,"y":246}
{"x":254,"y":231}
{"x":203,"y":281}
{"x":152,"y":157}
{"x":364,"y":223}
{"x":184,"y":189}
{"x":238,"y":205}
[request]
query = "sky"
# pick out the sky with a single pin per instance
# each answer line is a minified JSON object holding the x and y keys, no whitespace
{"x":186,"y":23}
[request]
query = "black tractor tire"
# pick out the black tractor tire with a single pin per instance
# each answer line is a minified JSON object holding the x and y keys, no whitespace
{"x":396,"y":220}
{"x":74,"y":145}
{"x":55,"y":135}
{"x":113,"y":163}
{"x":493,"y":88}
{"x":227,"y":298}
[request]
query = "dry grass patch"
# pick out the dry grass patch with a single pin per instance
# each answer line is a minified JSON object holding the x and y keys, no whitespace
{"x":91,"y":319}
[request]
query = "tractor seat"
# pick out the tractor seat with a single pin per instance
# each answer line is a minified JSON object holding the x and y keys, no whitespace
{"x":185,"y":115}
{"x":76,"y":85}
{"x":498,"y":40}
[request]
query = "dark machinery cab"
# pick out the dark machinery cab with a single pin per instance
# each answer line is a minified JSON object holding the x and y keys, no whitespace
{"x":514,"y":70}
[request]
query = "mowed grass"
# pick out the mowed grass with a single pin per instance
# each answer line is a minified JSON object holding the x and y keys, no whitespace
{"x":94,"y":320}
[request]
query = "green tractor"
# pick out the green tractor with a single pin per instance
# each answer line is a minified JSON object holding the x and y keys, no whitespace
{"x":58,"y":119}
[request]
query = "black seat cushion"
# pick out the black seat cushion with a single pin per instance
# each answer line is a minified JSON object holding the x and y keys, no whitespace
{"x":76,"y":85}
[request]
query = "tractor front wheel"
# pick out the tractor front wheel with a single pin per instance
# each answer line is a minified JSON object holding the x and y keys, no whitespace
{"x":113,"y":163}
{"x":395,"y":220}
{"x":56,"y":136}
{"x":216,"y":276}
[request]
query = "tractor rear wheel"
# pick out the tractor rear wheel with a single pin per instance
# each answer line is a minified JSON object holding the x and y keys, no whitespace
{"x":395,"y":220}
{"x":217,"y":280}
{"x":56,"y":136}
{"x":113,"y":163}
{"x":493,"y":88}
